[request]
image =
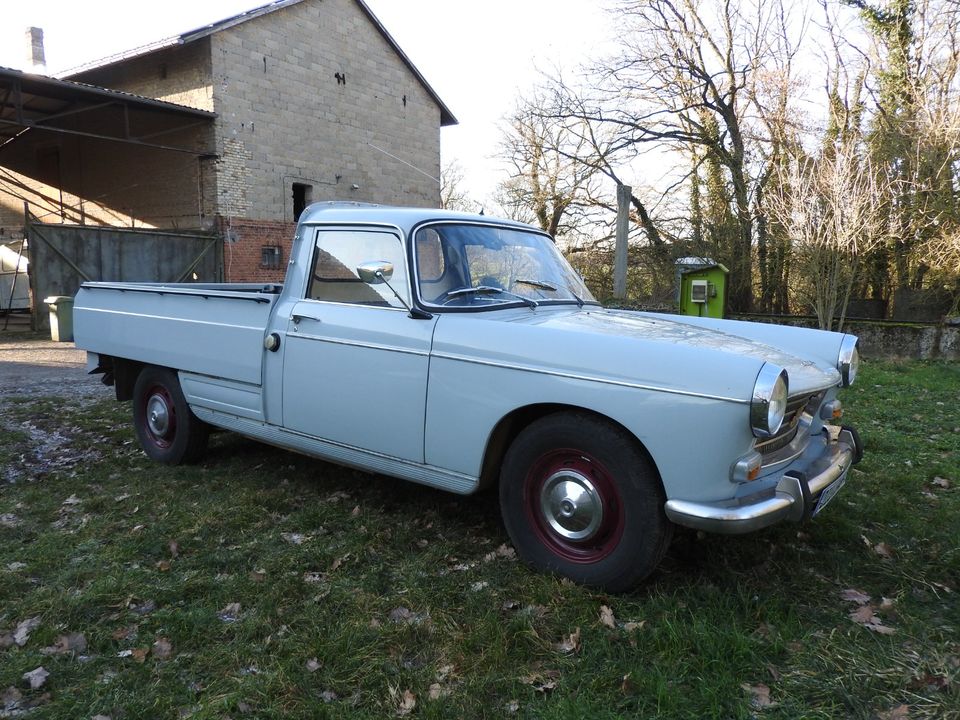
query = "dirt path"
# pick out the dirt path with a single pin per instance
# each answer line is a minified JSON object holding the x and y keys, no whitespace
{"x":36,"y":367}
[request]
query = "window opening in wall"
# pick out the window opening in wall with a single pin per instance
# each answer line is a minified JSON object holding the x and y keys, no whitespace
{"x":270,"y":256}
{"x":302,"y":196}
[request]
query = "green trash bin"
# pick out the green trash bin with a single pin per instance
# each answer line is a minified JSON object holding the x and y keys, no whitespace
{"x":61,"y":317}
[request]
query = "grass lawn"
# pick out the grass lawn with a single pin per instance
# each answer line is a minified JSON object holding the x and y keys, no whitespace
{"x":263,"y":584}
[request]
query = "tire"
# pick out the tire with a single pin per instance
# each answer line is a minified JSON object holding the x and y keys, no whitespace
{"x":580,"y":498}
{"x":167,"y":430}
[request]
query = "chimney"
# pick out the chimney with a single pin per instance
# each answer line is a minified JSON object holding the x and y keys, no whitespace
{"x":36,"y":58}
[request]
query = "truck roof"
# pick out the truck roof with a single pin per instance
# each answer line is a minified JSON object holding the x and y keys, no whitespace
{"x":403,"y":217}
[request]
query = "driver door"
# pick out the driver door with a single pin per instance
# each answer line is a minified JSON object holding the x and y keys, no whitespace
{"x":355,"y":364}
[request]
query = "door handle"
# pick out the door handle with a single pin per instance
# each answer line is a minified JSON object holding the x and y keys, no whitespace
{"x":297,"y":317}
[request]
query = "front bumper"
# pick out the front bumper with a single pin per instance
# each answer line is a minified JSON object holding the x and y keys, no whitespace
{"x":794,"y":497}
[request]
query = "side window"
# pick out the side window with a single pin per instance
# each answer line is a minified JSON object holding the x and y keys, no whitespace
{"x":338,"y":254}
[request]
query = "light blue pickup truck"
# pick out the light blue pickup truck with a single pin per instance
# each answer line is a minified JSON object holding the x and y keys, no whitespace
{"x":460,"y":352}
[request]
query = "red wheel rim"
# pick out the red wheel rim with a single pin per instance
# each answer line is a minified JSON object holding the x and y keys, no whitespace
{"x":573,"y":505}
{"x":159,"y":416}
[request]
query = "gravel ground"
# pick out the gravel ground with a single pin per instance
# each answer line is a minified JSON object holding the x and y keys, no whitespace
{"x":39,"y":367}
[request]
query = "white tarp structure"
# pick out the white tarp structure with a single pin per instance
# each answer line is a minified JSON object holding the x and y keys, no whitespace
{"x":14,"y":284}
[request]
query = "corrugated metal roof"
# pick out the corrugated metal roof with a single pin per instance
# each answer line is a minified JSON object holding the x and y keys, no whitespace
{"x":39,"y":102}
{"x":446,"y":117}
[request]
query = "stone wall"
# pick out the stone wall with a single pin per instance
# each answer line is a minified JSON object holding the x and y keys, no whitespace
{"x":305,"y":94}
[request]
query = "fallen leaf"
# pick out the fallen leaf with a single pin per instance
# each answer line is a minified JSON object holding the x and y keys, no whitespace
{"x":444,"y":672}
{"x":230,"y":612}
{"x":856,"y":596}
{"x":437,"y":691}
{"x":6,"y":641}
{"x":512,"y":707}
{"x":258,"y":575}
{"x":634,"y":626}
{"x":139,"y":654}
{"x":930,"y":682}
{"x":606,"y":617}
{"x":328,"y":696}
{"x":22,"y":634}
{"x":405,"y":615}
{"x":9,"y":520}
{"x":174,"y":547}
{"x":510,"y":605}
{"x":759,"y":695}
{"x":313,"y":577}
{"x":14,"y":566}
{"x":313,"y":665}
{"x":338,"y":562}
{"x":101,"y":717}
{"x":883,"y":550}
{"x":36,"y":677}
{"x":941,"y":483}
{"x":900,"y":712}
{"x":162,"y":649}
{"x":886,"y":604}
{"x":405,"y":702}
{"x":569,"y":644}
{"x":864,"y":614}
{"x":74,"y":642}
{"x":479,"y":585}
{"x":163,"y":565}
{"x":626,"y":685}
{"x":72,"y":500}
{"x":124,"y":632}
{"x":356,"y":513}
{"x":542,"y":681}
{"x":295,"y":538}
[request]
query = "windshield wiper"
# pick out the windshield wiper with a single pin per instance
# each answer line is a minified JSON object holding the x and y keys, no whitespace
{"x":537,"y":284}
{"x":487,"y":290}
{"x":547,"y":286}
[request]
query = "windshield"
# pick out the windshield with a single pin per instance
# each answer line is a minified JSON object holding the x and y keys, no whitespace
{"x":476,"y":266}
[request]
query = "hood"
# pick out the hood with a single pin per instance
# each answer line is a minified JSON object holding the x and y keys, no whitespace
{"x":629,"y":347}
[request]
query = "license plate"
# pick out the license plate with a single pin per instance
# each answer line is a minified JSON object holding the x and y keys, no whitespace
{"x":829,"y":493}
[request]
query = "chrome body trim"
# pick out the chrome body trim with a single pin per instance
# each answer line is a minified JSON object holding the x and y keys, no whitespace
{"x":354,"y":343}
{"x":848,"y":360}
{"x":785,"y":501}
{"x":769,"y":379}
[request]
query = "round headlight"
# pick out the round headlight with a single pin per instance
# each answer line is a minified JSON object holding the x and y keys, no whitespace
{"x":769,"y":403}
{"x":848,"y":362}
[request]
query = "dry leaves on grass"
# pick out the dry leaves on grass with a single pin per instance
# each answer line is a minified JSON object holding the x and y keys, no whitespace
{"x":22,"y":634}
{"x":606,"y":617}
{"x":313,"y":665}
{"x":162,"y":649}
{"x":759,"y":695}
{"x":258,"y":575}
{"x":402,"y":615}
{"x":900,"y":712}
{"x":230,"y":612}
{"x":72,"y":643}
{"x":866,"y":613}
{"x":941,"y":483}
{"x":570,"y":643}
{"x":504,"y":552}
{"x":404,"y":702}
{"x":543,"y":681}
{"x":36,"y":677}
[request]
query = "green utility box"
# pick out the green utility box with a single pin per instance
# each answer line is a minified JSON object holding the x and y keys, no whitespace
{"x":702,"y":287}
{"x":61,"y":317}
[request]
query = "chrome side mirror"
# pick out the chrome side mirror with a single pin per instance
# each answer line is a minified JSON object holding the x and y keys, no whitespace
{"x":376,"y":272}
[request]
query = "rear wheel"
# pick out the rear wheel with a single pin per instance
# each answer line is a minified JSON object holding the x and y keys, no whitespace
{"x":166,"y":428}
{"x":580,"y":498}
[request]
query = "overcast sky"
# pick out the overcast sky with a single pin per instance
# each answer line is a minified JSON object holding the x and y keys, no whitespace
{"x":477,"y":55}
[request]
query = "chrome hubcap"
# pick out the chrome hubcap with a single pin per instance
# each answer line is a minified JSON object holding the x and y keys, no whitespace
{"x":571,"y":505}
{"x":158,"y":415}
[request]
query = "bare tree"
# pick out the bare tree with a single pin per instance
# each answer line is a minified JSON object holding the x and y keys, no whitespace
{"x":453,"y":196}
{"x":831,"y":209}
{"x":552,"y":175}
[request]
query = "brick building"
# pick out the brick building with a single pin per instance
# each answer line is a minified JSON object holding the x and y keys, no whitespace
{"x":295,"y":102}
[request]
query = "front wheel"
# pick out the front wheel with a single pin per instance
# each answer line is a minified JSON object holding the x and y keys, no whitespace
{"x":580,"y":498}
{"x":167,"y":430}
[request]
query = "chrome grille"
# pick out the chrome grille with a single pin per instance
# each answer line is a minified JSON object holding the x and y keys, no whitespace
{"x":796,"y":407}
